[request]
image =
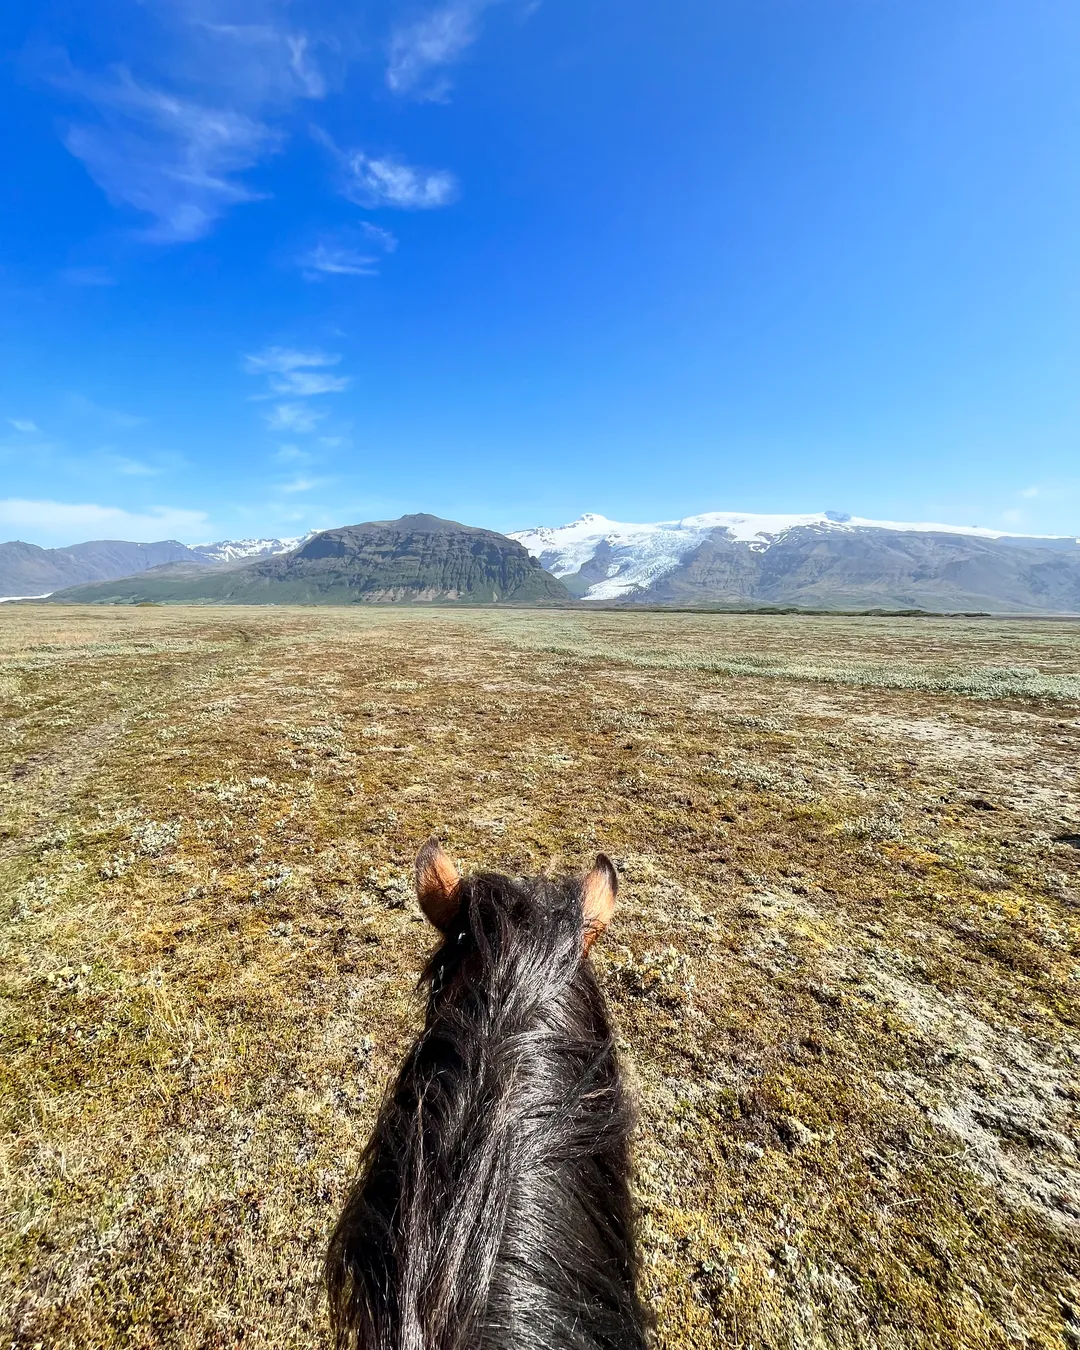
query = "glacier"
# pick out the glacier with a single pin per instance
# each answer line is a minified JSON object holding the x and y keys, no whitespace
{"x":638,"y":554}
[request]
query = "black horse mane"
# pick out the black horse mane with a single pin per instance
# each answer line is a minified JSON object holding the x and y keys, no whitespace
{"x":493,"y":1208}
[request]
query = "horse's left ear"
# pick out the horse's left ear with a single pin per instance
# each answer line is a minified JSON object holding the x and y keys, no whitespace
{"x":437,"y":881}
{"x":598,"y":898}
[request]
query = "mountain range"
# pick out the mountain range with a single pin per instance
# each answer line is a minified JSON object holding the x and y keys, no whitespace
{"x":30,"y":571}
{"x":820,"y":560}
{"x":415,"y":558}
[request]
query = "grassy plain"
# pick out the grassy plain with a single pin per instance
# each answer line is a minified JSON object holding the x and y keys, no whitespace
{"x":845,"y":966}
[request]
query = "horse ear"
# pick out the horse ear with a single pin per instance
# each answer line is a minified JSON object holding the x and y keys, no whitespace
{"x":437,"y":881}
{"x":598,"y":898}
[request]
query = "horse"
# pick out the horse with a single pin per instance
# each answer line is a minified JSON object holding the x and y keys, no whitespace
{"x":493,"y":1206}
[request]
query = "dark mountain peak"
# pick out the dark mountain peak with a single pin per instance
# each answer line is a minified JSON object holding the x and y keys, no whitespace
{"x":424,"y":523}
{"x":420,"y":523}
{"x":415,"y":558}
{"x":350,"y":539}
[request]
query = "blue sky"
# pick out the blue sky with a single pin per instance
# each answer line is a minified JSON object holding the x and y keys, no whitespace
{"x":267,"y":266}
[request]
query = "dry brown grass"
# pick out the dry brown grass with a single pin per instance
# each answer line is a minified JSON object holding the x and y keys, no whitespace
{"x":845,"y":963}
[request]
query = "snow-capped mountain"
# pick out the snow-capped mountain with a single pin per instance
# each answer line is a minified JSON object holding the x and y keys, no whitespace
{"x":231,"y":550}
{"x":817,"y":558}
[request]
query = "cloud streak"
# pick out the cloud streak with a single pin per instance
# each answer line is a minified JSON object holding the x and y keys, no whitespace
{"x":374,"y":181}
{"x":302,"y":484}
{"x":175,"y":146}
{"x":174,"y":159}
{"x":328,"y":259}
{"x":78,"y":521}
{"x":420,"y":51}
{"x":262,"y":61}
{"x":284,"y":360}
{"x":296,"y":417}
{"x":349,"y":254}
{"x":305,"y":383}
{"x":297,"y":374}
{"x":382,"y":239}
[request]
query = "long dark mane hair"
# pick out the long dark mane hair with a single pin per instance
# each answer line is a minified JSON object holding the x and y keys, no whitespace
{"x":493,"y":1208}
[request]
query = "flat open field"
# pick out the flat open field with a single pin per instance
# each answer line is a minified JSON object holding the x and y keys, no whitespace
{"x":845,"y":965}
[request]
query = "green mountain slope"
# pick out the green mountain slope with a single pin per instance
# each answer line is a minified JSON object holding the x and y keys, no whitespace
{"x":416,"y":558}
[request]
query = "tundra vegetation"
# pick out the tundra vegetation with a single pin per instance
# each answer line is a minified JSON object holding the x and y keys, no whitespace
{"x":844,"y":967}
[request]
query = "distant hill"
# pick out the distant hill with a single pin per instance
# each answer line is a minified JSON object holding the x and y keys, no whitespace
{"x":26,"y":569}
{"x":823,"y":560}
{"x":416,"y":558}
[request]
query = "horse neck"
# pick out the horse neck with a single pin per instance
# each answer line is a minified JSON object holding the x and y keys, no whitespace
{"x":498,"y":1175}
{"x":530,"y":1122}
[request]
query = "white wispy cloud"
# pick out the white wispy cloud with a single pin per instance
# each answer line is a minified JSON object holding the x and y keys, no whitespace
{"x":297,"y":374}
{"x":23,"y":424}
{"x":302,"y":484}
{"x":261,"y":61}
{"x":305,"y":383}
{"x":297,"y":417}
{"x":351,"y":253}
{"x":84,"y":520}
{"x":174,"y":143}
{"x":327,"y":259}
{"x":385,"y":240}
{"x":291,"y":454}
{"x":374,"y":181}
{"x":420,"y":51}
{"x":1029,"y":492}
{"x":175,"y":159}
{"x":283,"y":360}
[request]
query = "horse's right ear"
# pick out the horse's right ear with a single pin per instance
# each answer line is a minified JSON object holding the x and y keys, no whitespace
{"x":437,"y":881}
{"x":598,"y":898}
